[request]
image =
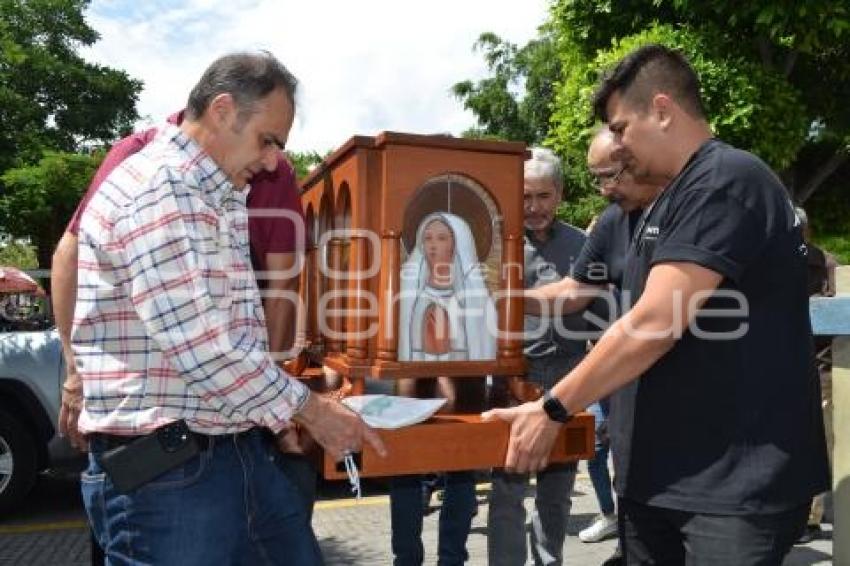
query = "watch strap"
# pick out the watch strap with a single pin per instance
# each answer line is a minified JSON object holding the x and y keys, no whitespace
{"x":554,"y":408}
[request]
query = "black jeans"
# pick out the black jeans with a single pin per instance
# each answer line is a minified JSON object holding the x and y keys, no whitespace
{"x":666,"y":537}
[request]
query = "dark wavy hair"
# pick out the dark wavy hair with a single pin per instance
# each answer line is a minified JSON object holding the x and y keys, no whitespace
{"x":248,"y":77}
{"x":645,"y":72}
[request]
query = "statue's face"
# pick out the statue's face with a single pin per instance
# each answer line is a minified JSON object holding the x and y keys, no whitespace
{"x":438,"y":244}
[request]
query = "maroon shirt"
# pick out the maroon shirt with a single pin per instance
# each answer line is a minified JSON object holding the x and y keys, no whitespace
{"x":276,"y":191}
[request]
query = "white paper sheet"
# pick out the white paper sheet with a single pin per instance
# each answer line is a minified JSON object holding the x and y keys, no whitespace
{"x":390,"y":411}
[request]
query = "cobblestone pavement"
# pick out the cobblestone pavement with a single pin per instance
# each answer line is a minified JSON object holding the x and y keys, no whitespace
{"x":51,"y":530}
{"x":350,"y":534}
{"x":358,"y":533}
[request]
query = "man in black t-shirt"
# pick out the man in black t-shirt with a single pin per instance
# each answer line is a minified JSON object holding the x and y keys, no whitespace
{"x":716,"y":421}
{"x":603,"y":258}
{"x":602,"y":261}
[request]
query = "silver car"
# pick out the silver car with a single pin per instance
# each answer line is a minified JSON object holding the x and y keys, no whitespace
{"x":31,"y":375}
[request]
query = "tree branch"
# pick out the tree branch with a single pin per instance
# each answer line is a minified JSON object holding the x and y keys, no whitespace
{"x":822,"y":174}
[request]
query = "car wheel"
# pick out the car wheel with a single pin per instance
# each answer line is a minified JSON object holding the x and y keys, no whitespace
{"x":18,"y":461}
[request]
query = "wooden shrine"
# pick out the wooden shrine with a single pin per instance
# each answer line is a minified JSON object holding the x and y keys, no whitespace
{"x":414,"y":269}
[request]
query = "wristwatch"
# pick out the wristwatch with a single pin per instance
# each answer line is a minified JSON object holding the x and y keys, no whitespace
{"x":554,"y":408}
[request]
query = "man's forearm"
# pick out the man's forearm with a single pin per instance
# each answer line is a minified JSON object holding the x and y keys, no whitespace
{"x":280,"y":323}
{"x":560,"y":298}
{"x":673,"y":295}
{"x":63,"y":278}
{"x":280,"y":302}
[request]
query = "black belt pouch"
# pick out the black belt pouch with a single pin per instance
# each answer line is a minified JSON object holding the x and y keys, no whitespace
{"x":136,"y":463}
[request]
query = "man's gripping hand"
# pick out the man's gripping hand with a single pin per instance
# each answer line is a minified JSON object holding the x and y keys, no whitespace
{"x":336,"y":428}
{"x":533,"y":434}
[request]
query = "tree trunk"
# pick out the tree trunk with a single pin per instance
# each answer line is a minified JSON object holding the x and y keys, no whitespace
{"x":822,"y":174}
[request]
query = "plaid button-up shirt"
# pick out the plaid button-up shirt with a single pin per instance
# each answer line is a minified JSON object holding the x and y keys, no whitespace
{"x":168,"y":322}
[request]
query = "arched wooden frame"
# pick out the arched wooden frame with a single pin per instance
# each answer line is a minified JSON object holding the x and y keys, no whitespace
{"x":308,"y":282}
{"x":340,"y":254}
{"x":324,"y":224}
{"x":476,"y":202}
{"x":343,"y":208}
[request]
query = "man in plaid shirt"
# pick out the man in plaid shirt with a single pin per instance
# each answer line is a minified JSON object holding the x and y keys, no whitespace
{"x":169,"y":327}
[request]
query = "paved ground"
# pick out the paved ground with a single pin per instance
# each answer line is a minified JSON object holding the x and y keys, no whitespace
{"x":50,"y":530}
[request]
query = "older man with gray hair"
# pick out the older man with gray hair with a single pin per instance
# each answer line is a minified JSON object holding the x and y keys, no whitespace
{"x":551,"y":247}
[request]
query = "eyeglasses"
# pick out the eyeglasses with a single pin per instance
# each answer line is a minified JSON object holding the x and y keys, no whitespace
{"x":608,"y":177}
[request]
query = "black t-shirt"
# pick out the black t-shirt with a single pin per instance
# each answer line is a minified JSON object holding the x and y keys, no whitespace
{"x":604,"y":254}
{"x":728,"y":426}
{"x":603,"y":259}
{"x":817,"y":271}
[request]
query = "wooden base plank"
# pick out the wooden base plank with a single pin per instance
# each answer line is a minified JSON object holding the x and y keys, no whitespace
{"x":447,"y":443}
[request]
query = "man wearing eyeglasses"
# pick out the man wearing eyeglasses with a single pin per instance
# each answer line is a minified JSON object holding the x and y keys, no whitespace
{"x":602,"y":262}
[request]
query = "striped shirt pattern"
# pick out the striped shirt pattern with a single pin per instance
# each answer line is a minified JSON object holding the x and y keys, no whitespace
{"x":168,"y":322}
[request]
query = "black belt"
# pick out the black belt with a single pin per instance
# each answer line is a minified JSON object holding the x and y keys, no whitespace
{"x":110,"y":441}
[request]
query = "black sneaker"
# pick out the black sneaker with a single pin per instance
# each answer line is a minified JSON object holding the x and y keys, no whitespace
{"x":810,"y":533}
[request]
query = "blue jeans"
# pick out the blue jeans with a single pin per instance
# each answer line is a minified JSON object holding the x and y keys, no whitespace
{"x":597,"y":468}
{"x":300,"y":472}
{"x":506,"y":534}
{"x":406,"y":513}
{"x":229,"y":505}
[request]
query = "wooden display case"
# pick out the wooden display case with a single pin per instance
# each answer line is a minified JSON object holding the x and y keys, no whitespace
{"x":364,"y":205}
{"x":414,"y":269}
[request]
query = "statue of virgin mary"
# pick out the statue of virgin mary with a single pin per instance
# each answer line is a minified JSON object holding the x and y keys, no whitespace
{"x":446,"y":311}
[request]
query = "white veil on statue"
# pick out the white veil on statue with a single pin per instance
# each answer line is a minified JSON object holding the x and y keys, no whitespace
{"x":470,"y":308}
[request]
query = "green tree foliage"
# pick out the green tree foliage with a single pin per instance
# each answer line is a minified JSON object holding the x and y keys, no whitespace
{"x":829,"y":211}
{"x":41,"y":198}
{"x":17,"y":254}
{"x":50,"y":98}
{"x":53,"y":106}
{"x":513,"y":103}
{"x":303,"y":161}
{"x":775,"y":74}
{"x":734,"y":90}
{"x":795,"y":49}
{"x":829,"y":207}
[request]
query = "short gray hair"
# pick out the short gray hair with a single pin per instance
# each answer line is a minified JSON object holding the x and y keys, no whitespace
{"x":546,"y":165}
{"x":248,"y":77}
